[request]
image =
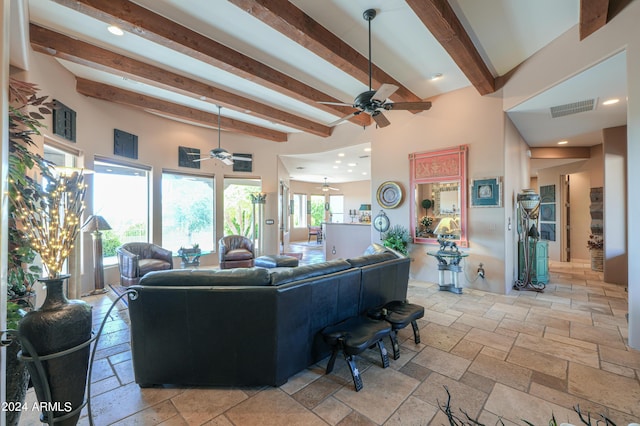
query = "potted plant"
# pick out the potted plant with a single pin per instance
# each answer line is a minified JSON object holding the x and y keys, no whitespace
{"x":397,"y":238}
{"x":17,"y":377}
{"x":25,"y":112}
{"x":48,"y":217}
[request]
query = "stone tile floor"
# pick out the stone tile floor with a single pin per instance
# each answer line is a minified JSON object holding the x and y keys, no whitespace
{"x":521,"y":356}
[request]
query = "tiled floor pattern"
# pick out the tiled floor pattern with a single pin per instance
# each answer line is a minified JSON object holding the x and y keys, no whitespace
{"x":522,"y":356}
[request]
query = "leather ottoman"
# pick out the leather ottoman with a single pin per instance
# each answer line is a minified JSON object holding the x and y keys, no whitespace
{"x":275,"y":261}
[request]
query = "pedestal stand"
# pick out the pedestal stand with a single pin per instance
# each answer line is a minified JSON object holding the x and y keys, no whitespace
{"x":449,"y":258}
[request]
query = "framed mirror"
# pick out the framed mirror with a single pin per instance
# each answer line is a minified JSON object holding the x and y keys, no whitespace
{"x":439,"y":195}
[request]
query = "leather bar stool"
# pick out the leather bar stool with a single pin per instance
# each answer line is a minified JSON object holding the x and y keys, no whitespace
{"x":353,"y":336}
{"x":399,"y":314}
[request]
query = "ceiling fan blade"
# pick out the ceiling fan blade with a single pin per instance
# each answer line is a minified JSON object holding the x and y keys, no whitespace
{"x":233,"y":157}
{"x":412,"y":106}
{"x":380,"y":119}
{"x":202,"y":159}
{"x":384,"y":92}
{"x":335,"y":103}
{"x":193,"y":153}
{"x":227,"y":161}
{"x":343,"y":118}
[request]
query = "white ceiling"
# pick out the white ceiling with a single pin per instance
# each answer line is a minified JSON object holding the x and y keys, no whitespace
{"x":505,"y":32}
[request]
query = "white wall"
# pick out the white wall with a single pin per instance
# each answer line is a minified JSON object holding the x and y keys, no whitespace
{"x":615,"y":212}
{"x":459,"y":118}
{"x":517,"y":177}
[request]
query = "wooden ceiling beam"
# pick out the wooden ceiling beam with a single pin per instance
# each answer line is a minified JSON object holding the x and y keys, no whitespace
{"x":109,"y":93}
{"x":561,"y":153}
{"x":442,"y":22}
{"x":301,"y":28}
{"x":64,"y":47}
{"x":153,"y":27}
{"x":593,"y":16}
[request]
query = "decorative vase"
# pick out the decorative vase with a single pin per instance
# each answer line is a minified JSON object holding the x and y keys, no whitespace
{"x":597,"y":259}
{"x":60,"y":324}
{"x":17,"y":382}
{"x":528,"y":199}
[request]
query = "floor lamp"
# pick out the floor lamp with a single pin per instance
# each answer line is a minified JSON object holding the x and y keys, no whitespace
{"x":95,"y":224}
{"x":258,"y":199}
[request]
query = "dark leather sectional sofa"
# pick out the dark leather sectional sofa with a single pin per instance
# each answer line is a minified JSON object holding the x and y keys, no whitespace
{"x":251,"y":326}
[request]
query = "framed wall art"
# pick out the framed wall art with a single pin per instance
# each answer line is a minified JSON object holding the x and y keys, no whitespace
{"x":486,"y":192}
{"x":186,"y":157}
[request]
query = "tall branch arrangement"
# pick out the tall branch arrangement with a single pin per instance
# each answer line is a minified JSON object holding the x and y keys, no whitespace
{"x":26,"y":112}
{"x":46,"y":215}
{"x":53,"y":227}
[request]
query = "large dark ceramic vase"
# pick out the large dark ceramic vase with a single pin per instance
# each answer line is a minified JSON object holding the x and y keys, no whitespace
{"x":17,"y":381}
{"x":60,"y":324}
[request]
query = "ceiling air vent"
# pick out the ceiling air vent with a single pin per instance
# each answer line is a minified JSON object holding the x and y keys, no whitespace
{"x":572,"y":108}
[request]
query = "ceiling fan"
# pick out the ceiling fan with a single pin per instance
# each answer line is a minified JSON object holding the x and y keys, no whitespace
{"x":326,"y":188}
{"x":220,"y":153}
{"x":373,"y":102}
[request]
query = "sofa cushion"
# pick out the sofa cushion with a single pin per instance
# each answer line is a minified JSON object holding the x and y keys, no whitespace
{"x":148,"y":265}
{"x":208,"y":277}
{"x":238,"y":254}
{"x":370,"y":259}
{"x":284,"y":276}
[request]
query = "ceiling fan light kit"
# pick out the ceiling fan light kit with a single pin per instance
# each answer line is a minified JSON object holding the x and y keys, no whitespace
{"x":373,"y":102}
{"x":222,"y":154}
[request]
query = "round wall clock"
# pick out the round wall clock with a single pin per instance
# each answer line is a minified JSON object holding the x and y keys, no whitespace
{"x":389,"y":195}
{"x":381,"y":222}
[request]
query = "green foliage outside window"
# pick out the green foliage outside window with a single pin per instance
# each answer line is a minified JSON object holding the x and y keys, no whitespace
{"x":317,"y":210}
{"x":110,"y":242}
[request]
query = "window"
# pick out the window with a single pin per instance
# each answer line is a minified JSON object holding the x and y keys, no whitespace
{"x":238,"y":210}
{"x":336,"y":206}
{"x":187,"y":211}
{"x":121,"y":196}
{"x":299,"y":210}
{"x":317,"y":210}
{"x":59,"y":157}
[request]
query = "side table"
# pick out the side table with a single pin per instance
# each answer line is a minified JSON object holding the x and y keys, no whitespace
{"x":449,"y":260}
{"x":191,"y":259}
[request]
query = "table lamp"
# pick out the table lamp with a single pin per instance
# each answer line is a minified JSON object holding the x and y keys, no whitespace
{"x":447,"y":229}
{"x":95,"y":224}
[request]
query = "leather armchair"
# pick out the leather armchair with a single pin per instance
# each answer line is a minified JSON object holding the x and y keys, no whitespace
{"x":235,"y":251}
{"x":136,"y":259}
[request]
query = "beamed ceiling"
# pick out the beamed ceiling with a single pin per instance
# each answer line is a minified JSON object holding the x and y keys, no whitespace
{"x":269,"y":63}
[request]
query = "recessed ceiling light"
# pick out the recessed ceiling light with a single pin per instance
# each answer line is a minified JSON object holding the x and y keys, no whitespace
{"x":611,"y":101}
{"x":352,"y":164}
{"x":436,"y":76}
{"x":338,"y":161}
{"x":563,"y":142}
{"x":341,"y":154}
{"x":349,"y":170}
{"x":335,"y":167}
{"x":367,"y":149}
{"x":115,"y":30}
{"x":364,"y":173}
